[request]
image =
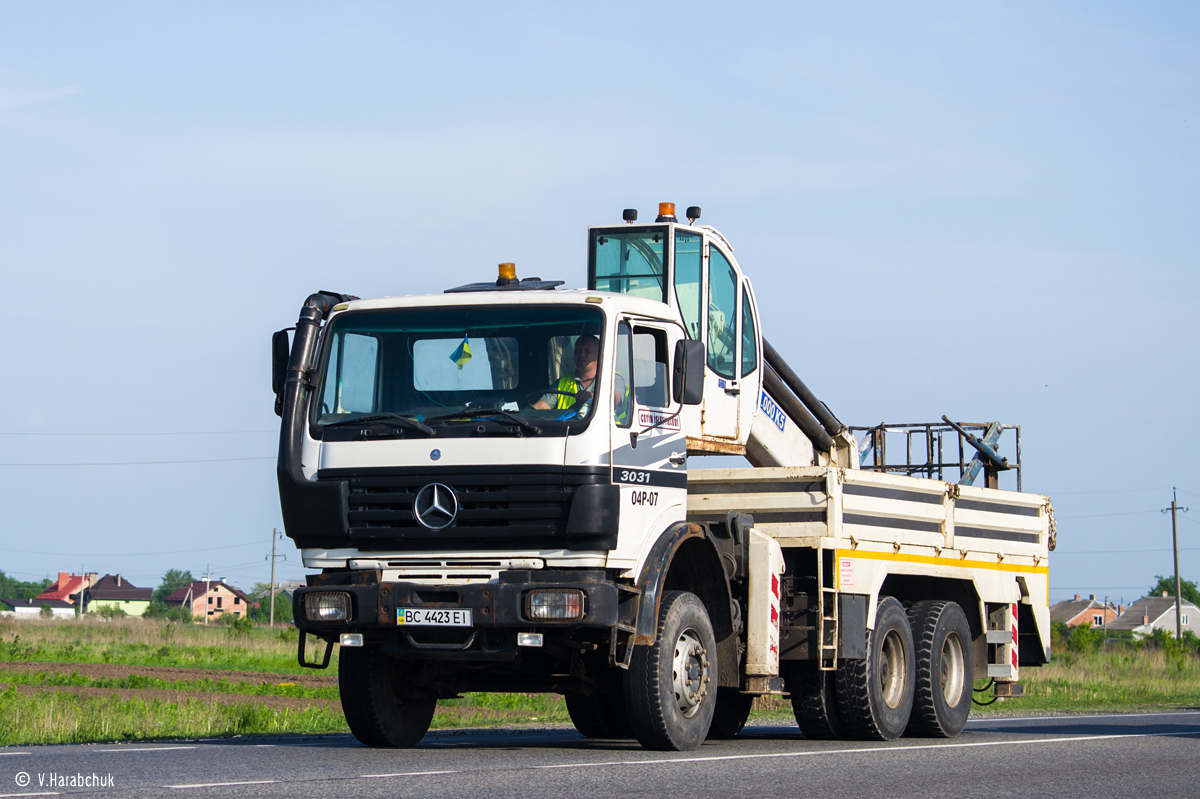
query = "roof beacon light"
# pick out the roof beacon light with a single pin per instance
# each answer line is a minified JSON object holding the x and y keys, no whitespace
{"x":629,"y":215}
{"x":666,"y":212}
{"x":693,"y":213}
{"x":508,"y":275}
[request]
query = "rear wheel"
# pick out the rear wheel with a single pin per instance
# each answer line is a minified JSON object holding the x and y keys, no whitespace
{"x":376,"y":710}
{"x":945,"y":669}
{"x":729,"y":717}
{"x":875,"y":694}
{"x":814,"y":702}
{"x":601,"y":714}
{"x":671,"y":685}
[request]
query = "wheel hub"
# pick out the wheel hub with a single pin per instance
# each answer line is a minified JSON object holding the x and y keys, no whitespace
{"x":953,"y":670}
{"x":689,"y":673}
{"x":892,"y":670}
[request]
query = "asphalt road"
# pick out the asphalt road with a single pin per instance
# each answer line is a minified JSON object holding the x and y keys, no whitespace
{"x":1142,"y":755}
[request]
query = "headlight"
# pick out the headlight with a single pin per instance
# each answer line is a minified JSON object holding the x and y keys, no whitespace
{"x":554,"y":604}
{"x":327,"y":606}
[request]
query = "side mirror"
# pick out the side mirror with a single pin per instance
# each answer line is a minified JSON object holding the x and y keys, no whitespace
{"x":280,"y":351}
{"x":687,"y":382}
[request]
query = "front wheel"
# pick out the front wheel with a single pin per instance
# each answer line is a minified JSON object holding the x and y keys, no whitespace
{"x":671,"y":685}
{"x":372,"y":701}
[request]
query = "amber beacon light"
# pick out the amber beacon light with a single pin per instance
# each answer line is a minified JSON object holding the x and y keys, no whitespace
{"x":508,"y":274}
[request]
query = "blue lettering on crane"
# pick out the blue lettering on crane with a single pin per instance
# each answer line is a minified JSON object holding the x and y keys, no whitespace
{"x":773,"y":411}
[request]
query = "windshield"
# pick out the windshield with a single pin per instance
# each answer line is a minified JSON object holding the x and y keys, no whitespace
{"x":448,"y":366}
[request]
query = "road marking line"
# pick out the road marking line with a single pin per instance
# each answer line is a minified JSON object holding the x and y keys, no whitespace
{"x":145,"y":749}
{"x":405,"y":774}
{"x":9,"y":754}
{"x":872,"y":750}
{"x":223,"y":784}
{"x":1082,"y":716}
{"x":43,"y":793}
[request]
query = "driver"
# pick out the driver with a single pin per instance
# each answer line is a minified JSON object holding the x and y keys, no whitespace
{"x":577,"y":388}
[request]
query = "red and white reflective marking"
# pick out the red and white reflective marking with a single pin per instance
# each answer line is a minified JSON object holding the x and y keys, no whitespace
{"x":1014,"y":640}
{"x":773,"y":641}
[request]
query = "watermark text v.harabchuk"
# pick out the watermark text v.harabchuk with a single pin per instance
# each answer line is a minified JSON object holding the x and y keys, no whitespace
{"x":54,"y":779}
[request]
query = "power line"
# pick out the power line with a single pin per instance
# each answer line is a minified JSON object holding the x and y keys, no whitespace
{"x":145,"y":463}
{"x":126,"y":554}
{"x":1113,"y":491}
{"x":1105,"y":515}
{"x":195,"y":433}
{"x":1120,"y":551}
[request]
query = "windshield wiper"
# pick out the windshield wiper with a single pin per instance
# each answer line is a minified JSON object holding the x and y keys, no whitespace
{"x":386,"y":417}
{"x":473,"y":413}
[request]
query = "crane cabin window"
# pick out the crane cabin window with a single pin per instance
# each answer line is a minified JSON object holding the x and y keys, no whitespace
{"x":749,"y":338}
{"x":688,"y":254}
{"x":629,"y":262}
{"x":722,"y":315}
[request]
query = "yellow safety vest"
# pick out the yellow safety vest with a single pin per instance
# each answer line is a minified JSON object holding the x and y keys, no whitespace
{"x":572,"y":386}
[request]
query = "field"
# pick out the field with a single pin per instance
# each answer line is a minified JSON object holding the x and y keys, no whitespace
{"x":133,"y":679}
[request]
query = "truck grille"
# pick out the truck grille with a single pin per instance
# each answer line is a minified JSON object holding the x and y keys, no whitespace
{"x":501,"y":506}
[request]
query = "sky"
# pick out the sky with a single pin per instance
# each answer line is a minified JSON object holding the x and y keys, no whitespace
{"x":973,"y":209}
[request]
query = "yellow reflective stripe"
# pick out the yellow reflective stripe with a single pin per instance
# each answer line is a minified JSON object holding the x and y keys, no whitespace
{"x":957,"y":562}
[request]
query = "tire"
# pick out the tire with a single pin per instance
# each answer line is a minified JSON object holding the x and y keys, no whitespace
{"x":945,"y":669}
{"x":670,"y":686}
{"x":601,"y":714}
{"x":378,"y":715}
{"x":875,"y":694}
{"x":814,"y":702}
{"x":729,"y":717}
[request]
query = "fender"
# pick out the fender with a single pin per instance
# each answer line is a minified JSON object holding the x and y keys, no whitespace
{"x":653,"y":578}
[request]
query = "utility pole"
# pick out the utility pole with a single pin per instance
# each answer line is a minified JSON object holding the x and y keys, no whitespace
{"x":207,"y":599}
{"x":1173,"y":510}
{"x":275,"y":536}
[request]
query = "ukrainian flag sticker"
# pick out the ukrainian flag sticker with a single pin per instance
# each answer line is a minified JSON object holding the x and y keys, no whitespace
{"x":462,"y":353}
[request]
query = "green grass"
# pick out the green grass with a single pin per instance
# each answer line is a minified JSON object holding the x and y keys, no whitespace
{"x":1121,"y":678}
{"x":138,"y":681}
{"x":48,"y":717}
{"x":151,"y":642}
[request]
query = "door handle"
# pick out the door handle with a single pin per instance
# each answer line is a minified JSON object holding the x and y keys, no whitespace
{"x":678,"y":458}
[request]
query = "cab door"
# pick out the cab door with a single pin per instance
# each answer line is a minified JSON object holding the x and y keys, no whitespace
{"x":720,"y":411}
{"x":649,"y":448}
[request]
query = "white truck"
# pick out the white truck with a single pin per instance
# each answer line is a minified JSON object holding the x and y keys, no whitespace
{"x":493,"y":486}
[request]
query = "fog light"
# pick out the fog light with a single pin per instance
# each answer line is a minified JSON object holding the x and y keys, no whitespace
{"x":529,"y":639}
{"x":327,"y":606}
{"x":554,"y":604}
{"x":351,"y":639}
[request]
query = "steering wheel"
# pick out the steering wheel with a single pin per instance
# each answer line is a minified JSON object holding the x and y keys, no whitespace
{"x":534,"y":396}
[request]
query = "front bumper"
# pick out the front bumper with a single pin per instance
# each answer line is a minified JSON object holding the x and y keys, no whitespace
{"x":498,"y":611}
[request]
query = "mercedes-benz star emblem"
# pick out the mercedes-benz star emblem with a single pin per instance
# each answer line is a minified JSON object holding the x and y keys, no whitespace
{"x":435,"y":506}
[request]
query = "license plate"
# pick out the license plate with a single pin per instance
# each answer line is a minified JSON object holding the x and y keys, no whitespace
{"x":428,"y":617}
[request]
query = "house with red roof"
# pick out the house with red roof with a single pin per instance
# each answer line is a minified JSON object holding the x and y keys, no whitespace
{"x":69,"y":587}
